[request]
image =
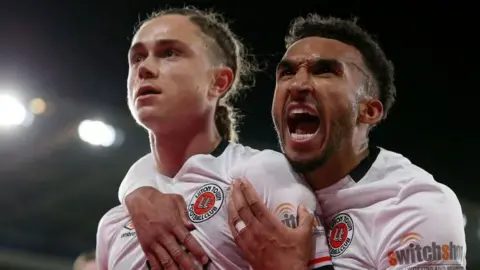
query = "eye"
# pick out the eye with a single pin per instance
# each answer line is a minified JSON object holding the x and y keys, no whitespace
{"x":168,"y":53}
{"x":136,"y":58}
{"x":325,"y":68}
{"x":286,"y":72}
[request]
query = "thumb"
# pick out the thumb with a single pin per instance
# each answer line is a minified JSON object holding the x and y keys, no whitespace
{"x":182,"y":208}
{"x":305,"y":218}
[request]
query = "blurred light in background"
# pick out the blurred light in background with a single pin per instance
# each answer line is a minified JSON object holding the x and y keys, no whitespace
{"x":97,"y":133}
{"x":12,"y":111}
{"x":38,"y":106}
{"x":464,"y":220}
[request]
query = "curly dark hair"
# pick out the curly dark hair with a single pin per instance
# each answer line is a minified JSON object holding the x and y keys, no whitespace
{"x":229,"y":50}
{"x":348,"y":32}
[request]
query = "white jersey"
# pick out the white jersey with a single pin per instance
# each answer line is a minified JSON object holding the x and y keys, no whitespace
{"x":391,"y":214}
{"x":204,"y":181}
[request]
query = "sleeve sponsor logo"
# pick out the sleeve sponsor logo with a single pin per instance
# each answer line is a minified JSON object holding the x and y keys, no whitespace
{"x":431,"y":252}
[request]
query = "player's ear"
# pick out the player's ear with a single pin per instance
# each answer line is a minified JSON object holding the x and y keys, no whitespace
{"x":222,"y":79}
{"x":370,"y":111}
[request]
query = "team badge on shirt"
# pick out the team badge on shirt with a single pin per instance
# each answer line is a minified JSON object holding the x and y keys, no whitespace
{"x":341,"y":234}
{"x":205,"y":203}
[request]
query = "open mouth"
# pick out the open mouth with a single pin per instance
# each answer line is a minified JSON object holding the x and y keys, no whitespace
{"x":302,"y":124}
{"x":146,"y":90}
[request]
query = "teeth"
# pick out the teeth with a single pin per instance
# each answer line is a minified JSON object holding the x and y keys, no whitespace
{"x":299,"y":111}
{"x":301,"y":137}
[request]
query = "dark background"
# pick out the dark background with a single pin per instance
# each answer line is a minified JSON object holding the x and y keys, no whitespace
{"x":55,"y":188}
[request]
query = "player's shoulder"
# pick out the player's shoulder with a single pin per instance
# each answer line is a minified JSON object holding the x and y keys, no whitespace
{"x":423,"y":190}
{"x":112,"y":219}
{"x":145,"y":163}
{"x":414,"y":183}
{"x":265,"y":160}
{"x":397,"y":169}
{"x":240,"y":152}
{"x":268,"y":158}
{"x":263,"y":165}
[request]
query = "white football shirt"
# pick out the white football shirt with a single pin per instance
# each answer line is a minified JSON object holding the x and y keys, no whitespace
{"x":204,"y":181}
{"x":391,"y":214}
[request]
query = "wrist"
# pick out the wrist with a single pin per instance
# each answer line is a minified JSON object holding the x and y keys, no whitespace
{"x":138,"y":196}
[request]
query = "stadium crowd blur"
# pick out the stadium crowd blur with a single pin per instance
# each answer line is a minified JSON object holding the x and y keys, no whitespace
{"x":67,"y":139}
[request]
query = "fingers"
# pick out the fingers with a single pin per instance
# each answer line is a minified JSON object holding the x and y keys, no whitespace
{"x":187,"y":239}
{"x":241,"y":205}
{"x":177,"y":254}
{"x":152,"y":263}
{"x":258,"y":208}
{"x":305,"y":218}
{"x":233,"y":218}
{"x":182,"y":208}
{"x":242,"y":238}
{"x":164,"y":258}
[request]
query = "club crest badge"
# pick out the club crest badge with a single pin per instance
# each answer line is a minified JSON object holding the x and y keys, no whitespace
{"x":205,"y":203}
{"x":340,"y":235}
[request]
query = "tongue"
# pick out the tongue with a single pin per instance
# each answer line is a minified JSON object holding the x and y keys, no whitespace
{"x":306,"y":127}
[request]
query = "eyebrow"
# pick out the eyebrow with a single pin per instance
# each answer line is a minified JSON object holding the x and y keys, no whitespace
{"x":291,"y":64}
{"x":159,"y":42}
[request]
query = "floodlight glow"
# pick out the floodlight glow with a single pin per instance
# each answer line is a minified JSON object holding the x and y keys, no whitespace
{"x":38,"y":106}
{"x":12,"y":111}
{"x":96,"y":133}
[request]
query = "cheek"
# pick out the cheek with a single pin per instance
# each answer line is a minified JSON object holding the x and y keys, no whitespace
{"x":185,"y":77}
{"x":334,"y":97}
{"x":277,"y":105}
{"x":190,"y":94}
{"x":130,"y":81}
{"x":340,"y":102}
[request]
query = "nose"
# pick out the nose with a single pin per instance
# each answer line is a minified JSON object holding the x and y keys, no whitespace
{"x":301,"y":85}
{"x":147,"y":69}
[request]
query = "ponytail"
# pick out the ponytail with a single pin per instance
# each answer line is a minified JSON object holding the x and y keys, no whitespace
{"x":225,"y":122}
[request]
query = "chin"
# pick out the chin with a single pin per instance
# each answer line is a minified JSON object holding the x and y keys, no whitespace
{"x":302,"y":164}
{"x":148,"y":120}
{"x":308,"y":160}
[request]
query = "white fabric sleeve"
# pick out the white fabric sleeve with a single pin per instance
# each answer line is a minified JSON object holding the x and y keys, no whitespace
{"x":104,"y":236}
{"x":283,"y":192}
{"x":141,"y":174}
{"x":422,"y":230}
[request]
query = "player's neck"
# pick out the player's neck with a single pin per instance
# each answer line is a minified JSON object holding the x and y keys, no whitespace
{"x":171,"y":151}
{"x":338,"y":166}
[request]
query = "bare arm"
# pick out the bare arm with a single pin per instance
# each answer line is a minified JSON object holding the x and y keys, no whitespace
{"x":162,"y":226}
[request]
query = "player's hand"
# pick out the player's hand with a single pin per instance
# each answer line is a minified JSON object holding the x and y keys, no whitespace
{"x":265,"y":241}
{"x":162,"y":225}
